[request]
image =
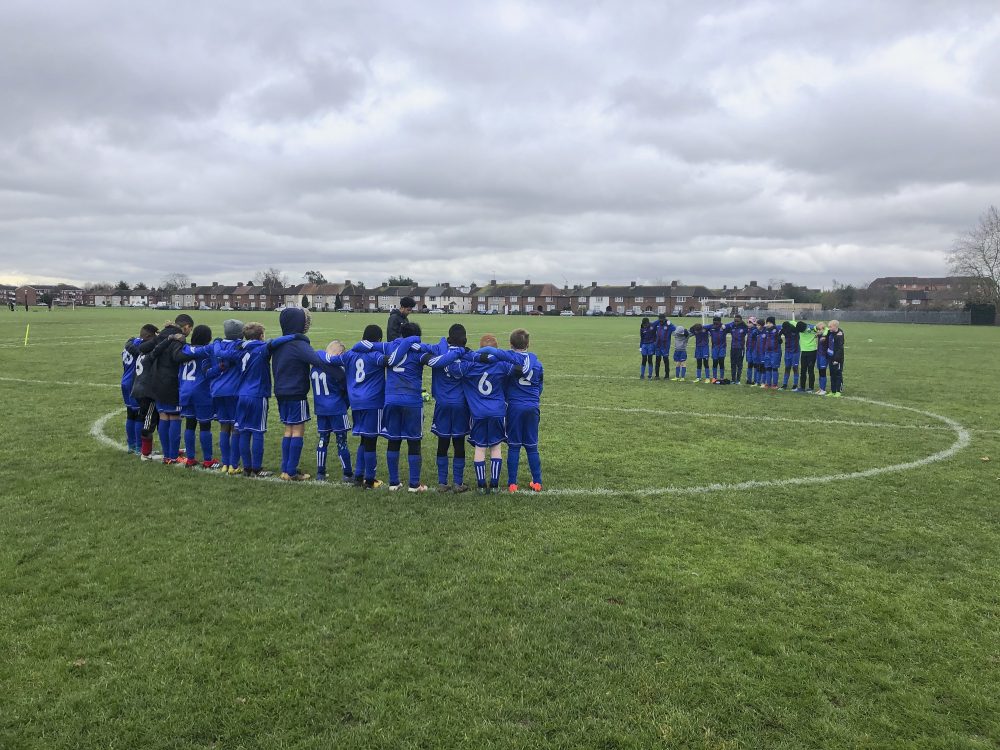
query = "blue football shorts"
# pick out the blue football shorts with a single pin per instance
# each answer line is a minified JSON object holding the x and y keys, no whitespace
{"x":293,"y":411}
{"x":450,"y":420}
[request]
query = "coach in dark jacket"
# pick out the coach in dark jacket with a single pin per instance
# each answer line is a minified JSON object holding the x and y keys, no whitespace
{"x":164,"y":384}
{"x":398,"y":317}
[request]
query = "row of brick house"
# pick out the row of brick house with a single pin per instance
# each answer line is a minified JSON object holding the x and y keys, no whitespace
{"x":499,"y":297}
{"x":494,"y":297}
{"x":37,"y":294}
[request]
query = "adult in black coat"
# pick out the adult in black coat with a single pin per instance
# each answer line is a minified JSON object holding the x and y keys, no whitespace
{"x":398,"y":317}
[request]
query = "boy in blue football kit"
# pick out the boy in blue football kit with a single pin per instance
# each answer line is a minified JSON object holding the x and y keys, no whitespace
{"x":524,"y":397}
{"x":701,"y":350}
{"x":403,"y":415}
{"x":253,"y":360}
{"x":133,"y":420}
{"x":821,"y":357}
{"x":291,"y":360}
{"x":793,"y":354}
{"x":647,"y":346}
{"x":483,"y":383}
{"x":366,"y":391}
{"x":717,"y":342}
{"x":329,"y":384}
{"x":770,"y":346}
{"x":450,"y":422}
{"x":196,"y":399}
{"x":737,"y":350}
{"x":225,"y":395}
{"x":662,"y":329}
{"x":752,"y":332}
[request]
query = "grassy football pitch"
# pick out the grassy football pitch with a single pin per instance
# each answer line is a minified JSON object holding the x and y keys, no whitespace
{"x":708,"y":566}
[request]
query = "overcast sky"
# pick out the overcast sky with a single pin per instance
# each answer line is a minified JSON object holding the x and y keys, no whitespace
{"x":576,"y":141}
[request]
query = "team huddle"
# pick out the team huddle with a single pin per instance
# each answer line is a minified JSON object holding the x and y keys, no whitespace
{"x":758,"y":344}
{"x":487,"y":397}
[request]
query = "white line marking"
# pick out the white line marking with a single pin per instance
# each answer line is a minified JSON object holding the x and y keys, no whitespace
{"x":962,"y":440}
{"x":61,"y":382}
{"x":748,"y":417}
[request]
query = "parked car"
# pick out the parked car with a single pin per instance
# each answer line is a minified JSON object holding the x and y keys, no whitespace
{"x":566,"y":314}
{"x":226,"y":308}
{"x":435,"y":312}
{"x":279,"y":308}
{"x":693,"y":314}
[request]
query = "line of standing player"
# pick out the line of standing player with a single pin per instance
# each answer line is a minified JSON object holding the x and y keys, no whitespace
{"x":755,"y":344}
{"x":489,"y":397}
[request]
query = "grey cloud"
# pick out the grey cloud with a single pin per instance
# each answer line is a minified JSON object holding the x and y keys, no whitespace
{"x":491,"y":140}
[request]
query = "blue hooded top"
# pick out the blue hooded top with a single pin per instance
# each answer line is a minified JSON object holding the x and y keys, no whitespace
{"x":291,"y":360}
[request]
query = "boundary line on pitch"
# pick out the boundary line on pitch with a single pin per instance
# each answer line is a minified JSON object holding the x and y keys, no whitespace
{"x":962,"y":439}
{"x":748,"y":417}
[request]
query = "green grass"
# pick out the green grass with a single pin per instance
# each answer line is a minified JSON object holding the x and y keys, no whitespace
{"x":143,"y":606}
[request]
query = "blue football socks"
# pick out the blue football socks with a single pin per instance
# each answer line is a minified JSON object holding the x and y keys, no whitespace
{"x":513,"y":463}
{"x":415,"y":460}
{"x":392,"y":461}
{"x":321,"y":448}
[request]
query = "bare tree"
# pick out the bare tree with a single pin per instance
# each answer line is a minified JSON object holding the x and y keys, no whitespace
{"x":977,"y":253}
{"x":314,"y":277}
{"x":273,"y":280}
{"x":174,"y":281}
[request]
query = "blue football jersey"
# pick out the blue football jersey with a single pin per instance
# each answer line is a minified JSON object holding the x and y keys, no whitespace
{"x":228,"y":381}
{"x":525,"y":390}
{"x":128,"y":364}
{"x":365,"y":378}
{"x":195,"y":379}
{"x":255,"y":369}
{"x":717,"y":335}
{"x":483,"y":384}
{"x":329,"y":387}
{"x":404,"y":374}
{"x":770,"y":339}
{"x":446,"y":387}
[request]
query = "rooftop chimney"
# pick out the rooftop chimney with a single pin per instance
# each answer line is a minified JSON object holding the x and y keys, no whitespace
{"x":347,"y":282}
{"x":724,"y":287}
{"x":493,"y":282}
{"x":632,"y":284}
{"x":674,"y":283}
{"x":215,"y":283}
{"x":753,"y":283}
{"x":194,"y":286}
{"x":593,"y":284}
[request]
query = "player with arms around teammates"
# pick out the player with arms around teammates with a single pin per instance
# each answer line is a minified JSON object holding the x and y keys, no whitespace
{"x":524,"y":397}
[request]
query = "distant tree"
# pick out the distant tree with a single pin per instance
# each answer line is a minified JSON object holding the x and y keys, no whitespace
{"x":273,"y":280}
{"x":46,"y":299}
{"x":400,"y":281}
{"x":305,"y":301}
{"x":140,"y":287}
{"x":122,"y":286}
{"x":315,"y":277}
{"x":338,"y":303}
{"x":878,"y":297}
{"x":977,"y":253}
{"x":175,"y":281}
{"x":842,"y":297}
{"x":798,"y":293}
